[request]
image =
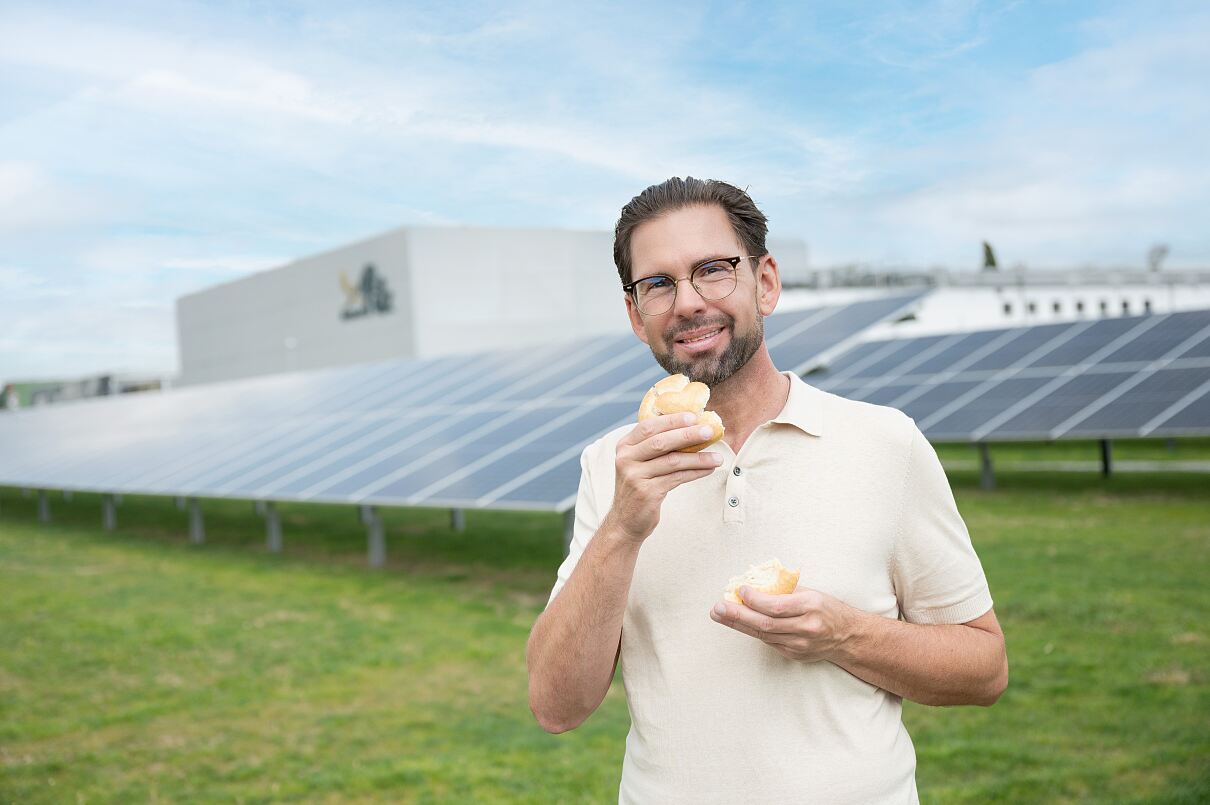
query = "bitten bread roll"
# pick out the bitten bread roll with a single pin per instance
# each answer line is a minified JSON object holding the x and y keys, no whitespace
{"x":675,"y":394}
{"x":771,"y":577}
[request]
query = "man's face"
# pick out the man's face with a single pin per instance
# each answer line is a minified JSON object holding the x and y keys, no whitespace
{"x":706,"y":340}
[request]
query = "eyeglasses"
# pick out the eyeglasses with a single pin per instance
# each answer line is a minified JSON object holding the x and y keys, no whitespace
{"x":713,"y":280}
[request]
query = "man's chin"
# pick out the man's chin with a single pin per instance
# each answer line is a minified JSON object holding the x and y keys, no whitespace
{"x":716,"y":365}
{"x":703,"y":367}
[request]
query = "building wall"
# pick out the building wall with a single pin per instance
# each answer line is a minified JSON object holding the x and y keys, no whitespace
{"x":486,"y":288}
{"x":960,"y":308}
{"x":293,"y":317}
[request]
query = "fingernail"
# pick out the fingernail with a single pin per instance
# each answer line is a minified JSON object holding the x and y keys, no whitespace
{"x":720,"y":609}
{"x":716,"y":458}
{"x":705,"y":431}
{"x":689,"y":419}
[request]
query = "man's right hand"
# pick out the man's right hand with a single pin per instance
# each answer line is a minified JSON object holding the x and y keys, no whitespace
{"x":647,"y":467}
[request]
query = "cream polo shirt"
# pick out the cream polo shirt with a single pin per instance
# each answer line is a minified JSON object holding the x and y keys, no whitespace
{"x":853,"y":495}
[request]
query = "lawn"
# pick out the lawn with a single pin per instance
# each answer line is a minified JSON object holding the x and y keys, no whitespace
{"x":137,"y":667}
{"x":1082,"y":450}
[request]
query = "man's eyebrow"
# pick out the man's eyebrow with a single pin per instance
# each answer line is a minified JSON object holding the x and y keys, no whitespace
{"x":708,"y":258}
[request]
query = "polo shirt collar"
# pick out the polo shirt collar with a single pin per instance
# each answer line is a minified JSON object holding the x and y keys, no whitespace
{"x":804,"y":407}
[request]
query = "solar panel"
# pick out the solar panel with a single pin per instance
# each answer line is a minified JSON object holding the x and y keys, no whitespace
{"x":1027,"y":341}
{"x":1061,"y":402}
{"x":1183,"y":418}
{"x":1132,"y":376}
{"x":956,"y":421}
{"x":501,"y":429}
{"x":1145,"y":401}
{"x":1085,"y":344}
{"x":923,"y":400}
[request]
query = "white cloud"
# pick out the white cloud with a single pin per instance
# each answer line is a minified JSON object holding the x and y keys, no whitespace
{"x":1091,"y":160}
{"x":32,"y":201}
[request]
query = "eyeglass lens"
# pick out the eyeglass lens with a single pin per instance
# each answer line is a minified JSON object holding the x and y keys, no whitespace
{"x":713,"y":280}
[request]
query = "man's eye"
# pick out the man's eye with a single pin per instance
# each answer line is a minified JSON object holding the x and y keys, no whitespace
{"x":656,"y":284}
{"x":714,"y":268}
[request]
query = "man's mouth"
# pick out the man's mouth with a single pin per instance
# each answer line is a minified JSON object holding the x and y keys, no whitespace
{"x":700,"y":339}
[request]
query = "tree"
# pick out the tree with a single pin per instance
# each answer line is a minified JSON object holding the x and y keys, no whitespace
{"x":989,"y":257}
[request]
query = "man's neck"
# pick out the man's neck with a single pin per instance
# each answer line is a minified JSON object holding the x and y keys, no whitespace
{"x":749,"y":398}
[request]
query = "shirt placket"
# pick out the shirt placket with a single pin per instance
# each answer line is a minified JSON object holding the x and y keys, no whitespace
{"x":735,"y":501}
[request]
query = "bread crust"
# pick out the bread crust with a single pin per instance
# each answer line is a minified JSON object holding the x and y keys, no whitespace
{"x":771,"y":578}
{"x":676,"y":394}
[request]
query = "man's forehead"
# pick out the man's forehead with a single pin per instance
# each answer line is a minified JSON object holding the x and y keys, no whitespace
{"x":682,"y":238}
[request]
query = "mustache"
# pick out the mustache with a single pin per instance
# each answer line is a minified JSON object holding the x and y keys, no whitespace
{"x":697,"y":324}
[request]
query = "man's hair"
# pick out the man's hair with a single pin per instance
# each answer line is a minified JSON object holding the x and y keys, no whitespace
{"x":749,"y":223}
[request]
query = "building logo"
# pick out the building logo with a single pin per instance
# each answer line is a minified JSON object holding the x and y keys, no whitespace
{"x":369,"y":296}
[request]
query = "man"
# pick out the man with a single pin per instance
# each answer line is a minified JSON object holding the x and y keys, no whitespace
{"x":791,"y":698}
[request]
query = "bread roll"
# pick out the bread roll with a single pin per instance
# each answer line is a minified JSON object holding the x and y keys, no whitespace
{"x":675,"y":394}
{"x":771,"y":577}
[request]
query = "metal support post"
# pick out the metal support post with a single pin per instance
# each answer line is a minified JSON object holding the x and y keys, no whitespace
{"x":458,"y":520}
{"x":569,"y":529}
{"x":259,"y":507}
{"x":1106,"y":458}
{"x":108,"y":513}
{"x":988,"y":476}
{"x":43,"y":507}
{"x":377,"y":540}
{"x":364,"y":513}
{"x":197,"y":529}
{"x":180,"y":503}
{"x":272,"y":526}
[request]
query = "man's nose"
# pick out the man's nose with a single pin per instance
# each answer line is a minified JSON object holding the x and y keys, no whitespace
{"x":688,"y":301}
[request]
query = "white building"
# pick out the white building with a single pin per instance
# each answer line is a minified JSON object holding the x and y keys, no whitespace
{"x":970,"y":300}
{"x":413,"y":292}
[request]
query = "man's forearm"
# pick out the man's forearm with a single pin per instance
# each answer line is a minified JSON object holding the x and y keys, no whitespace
{"x":931,"y":664}
{"x":573,"y":647}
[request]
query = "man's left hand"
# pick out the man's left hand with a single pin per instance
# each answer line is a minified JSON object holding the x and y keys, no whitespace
{"x":805,"y":625}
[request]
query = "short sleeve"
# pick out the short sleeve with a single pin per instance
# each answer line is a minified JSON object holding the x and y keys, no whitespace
{"x":937,"y":575}
{"x":587,"y":521}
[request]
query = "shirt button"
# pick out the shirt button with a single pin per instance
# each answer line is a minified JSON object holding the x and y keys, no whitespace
{"x":737,"y":471}
{"x":733,"y":501}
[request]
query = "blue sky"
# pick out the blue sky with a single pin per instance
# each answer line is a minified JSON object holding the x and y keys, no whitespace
{"x":151,"y":149}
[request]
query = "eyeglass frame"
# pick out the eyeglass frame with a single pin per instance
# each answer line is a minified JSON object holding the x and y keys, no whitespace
{"x":628,"y":287}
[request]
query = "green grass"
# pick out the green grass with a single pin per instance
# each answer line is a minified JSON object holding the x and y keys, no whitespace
{"x":137,"y":667}
{"x":1079,"y":450}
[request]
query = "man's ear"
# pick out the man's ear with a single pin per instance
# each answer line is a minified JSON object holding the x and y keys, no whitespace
{"x":768,"y":285}
{"x":636,"y":318}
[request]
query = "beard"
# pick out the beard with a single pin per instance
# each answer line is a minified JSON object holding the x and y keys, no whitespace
{"x":707,"y":368}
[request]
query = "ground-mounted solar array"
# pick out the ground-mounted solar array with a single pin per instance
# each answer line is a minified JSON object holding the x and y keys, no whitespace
{"x":501,"y":429}
{"x":1129,"y":377}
